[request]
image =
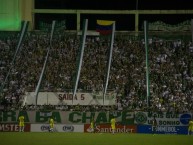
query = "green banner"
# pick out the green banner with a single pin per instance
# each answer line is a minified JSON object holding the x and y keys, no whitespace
{"x":67,"y":117}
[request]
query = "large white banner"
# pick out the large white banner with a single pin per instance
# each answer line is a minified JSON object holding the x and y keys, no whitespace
{"x":57,"y":98}
{"x":57,"y":128}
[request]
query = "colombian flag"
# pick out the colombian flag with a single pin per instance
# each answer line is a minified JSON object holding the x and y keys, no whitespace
{"x":104,"y":27}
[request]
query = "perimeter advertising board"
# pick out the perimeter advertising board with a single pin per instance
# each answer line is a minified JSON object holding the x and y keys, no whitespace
{"x":106,"y":128}
{"x":12,"y":127}
{"x":163,"y":119}
{"x":163,"y":129}
{"x":57,"y":128}
{"x":167,"y":123}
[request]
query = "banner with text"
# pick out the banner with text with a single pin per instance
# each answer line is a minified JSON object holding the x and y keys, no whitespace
{"x":57,"y":128}
{"x":163,"y":129}
{"x":106,"y":128}
{"x":67,"y":117}
{"x":13,"y":127}
{"x":60,"y":98}
{"x":163,"y":119}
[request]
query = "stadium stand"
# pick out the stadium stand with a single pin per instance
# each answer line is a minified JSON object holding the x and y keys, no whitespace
{"x":171,"y":73}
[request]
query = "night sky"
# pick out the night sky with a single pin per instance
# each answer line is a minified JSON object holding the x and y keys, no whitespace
{"x":124,"y":22}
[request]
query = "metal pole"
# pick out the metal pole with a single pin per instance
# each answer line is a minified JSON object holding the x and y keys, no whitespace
{"x":45,"y":63}
{"x":147,"y":60}
{"x":85,"y":24}
{"x":109,"y":63}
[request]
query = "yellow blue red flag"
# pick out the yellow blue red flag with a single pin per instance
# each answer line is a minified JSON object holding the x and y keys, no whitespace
{"x":104,"y":26}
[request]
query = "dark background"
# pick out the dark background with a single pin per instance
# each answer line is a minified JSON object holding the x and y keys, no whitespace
{"x":114,"y":4}
{"x":123,"y":22}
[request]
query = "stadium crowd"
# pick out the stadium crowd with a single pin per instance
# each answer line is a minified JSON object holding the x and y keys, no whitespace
{"x":170,"y":71}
